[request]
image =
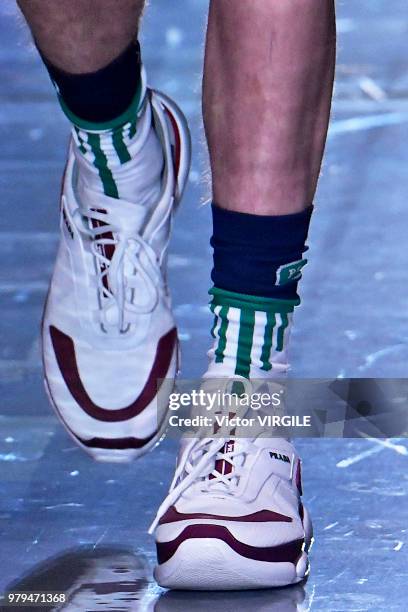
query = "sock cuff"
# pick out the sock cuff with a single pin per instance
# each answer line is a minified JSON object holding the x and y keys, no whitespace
{"x":289,"y":231}
{"x":221,"y":297}
{"x":106,"y":98}
{"x":127,"y":116}
{"x":259,"y":255}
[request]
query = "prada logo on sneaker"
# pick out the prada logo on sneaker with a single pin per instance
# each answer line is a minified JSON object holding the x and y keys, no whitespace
{"x":290,"y":272}
{"x":172,"y":515}
{"x":280,"y":457}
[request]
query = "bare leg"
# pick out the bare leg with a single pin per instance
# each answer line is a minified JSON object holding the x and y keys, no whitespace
{"x":268,"y":82}
{"x":82,"y":35}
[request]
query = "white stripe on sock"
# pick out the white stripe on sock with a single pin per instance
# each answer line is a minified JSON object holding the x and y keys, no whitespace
{"x":218,"y":325}
{"x":258,"y":339}
{"x":231,"y":347}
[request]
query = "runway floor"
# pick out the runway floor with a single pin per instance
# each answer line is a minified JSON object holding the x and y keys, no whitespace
{"x":67,"y":523}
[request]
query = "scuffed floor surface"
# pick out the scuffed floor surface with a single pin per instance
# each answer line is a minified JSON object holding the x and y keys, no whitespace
{"x":69,"y":524}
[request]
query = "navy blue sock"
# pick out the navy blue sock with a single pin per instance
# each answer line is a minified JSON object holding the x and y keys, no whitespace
{"x":102,"y":96}
{"x":259,"y":255}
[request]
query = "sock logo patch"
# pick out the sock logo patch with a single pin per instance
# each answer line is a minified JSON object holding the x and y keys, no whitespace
{"x":290,"y":272}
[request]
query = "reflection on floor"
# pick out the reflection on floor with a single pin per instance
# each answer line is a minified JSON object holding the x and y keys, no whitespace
{"x":97,"y":579}
{"x":116,"y":579}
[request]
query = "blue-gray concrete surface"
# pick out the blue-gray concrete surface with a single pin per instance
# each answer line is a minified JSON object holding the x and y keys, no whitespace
{"x":58,"y":509}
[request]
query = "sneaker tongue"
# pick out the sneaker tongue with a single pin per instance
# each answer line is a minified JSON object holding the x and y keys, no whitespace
{"x":280,"y":450}
{"x":123,"y":219}
{"x":280,"y":458}
{"x":222,"y":466}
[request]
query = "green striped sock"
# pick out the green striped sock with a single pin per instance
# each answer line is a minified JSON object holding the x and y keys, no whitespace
{"x":250,"y":335}
{"x":110,"y":160}
{"x":107,"y":151}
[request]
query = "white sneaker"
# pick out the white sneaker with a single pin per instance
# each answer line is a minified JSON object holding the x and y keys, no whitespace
{"x":108,"y":331}
{"x":233,"y":518}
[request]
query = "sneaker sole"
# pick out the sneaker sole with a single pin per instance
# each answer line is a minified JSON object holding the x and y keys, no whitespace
{"x":211,"y":565}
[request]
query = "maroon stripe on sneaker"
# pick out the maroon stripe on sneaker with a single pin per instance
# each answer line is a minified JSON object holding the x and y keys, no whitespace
{"x":177,"y":146}
{"x":299,"y":477}
{"x":64,"y":349}
{"x":105,"y":443}
{"x":262,"y":516}
{"x":116,"y":443}
{"x":284,"y":553}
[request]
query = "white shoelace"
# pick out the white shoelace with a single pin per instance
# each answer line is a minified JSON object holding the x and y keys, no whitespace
{"x":198,"y":464}
{"x":116,"y":287}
